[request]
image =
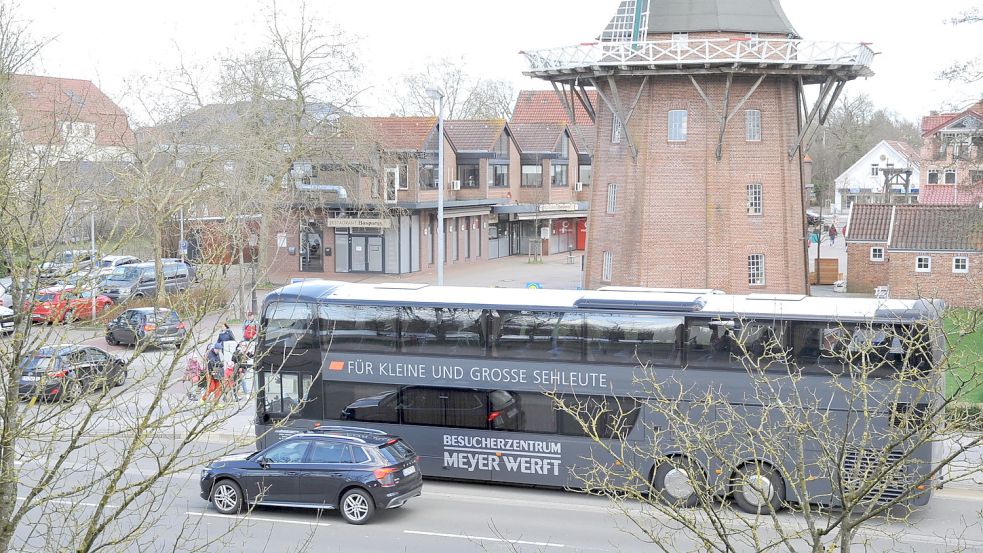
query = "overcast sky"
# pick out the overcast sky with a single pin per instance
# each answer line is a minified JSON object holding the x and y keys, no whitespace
{"x":109,"y":41}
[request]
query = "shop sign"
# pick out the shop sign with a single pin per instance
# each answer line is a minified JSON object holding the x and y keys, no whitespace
{"x":558,"y":207}
{"x":354,"y":222}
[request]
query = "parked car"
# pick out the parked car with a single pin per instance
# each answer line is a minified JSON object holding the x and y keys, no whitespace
{"x":108,"y":263}
{"x":6,"y":320}
{"x":140,"y":280}
{"x":6,"y":299}
{"x":146,"y":326}
{"x":65,"y":372}
{"x":65,"y":263}
{"x":356,"y":471}
{"x":57,"y":304}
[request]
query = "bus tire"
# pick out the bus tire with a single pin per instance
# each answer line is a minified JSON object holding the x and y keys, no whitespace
{"x":678,"y":481}
{"x":758,"y":489}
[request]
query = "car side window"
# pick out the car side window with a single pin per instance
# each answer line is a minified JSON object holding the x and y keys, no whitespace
{"x":288,"y":452}
{"x":96,"y":356}
{"x":329,"y":452}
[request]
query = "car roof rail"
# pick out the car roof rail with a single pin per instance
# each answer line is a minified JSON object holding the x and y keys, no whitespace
{"x":353,"y":429}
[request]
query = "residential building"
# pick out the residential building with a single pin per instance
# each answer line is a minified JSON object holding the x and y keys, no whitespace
{"x":952,"y":157}
{"x":931,"y":251}
{"x":864,"y":181}
{"x":697,"y":165}
{"x":71,"y":120}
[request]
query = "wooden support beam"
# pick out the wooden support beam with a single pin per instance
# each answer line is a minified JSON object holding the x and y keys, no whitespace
{"x":724,"y":117}
{"x":585,"y":101}
{"x":614,"y":105}
{"x":813,"y":113}
{"x":563,"y":100}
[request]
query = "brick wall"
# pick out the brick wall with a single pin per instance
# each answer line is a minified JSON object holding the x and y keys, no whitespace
{"x":681,"y":218}
{"x":865,"y":274}
{"x":956,"y":289}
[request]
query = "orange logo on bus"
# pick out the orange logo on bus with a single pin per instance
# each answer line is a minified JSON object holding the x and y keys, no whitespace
{"x":337,"y":366}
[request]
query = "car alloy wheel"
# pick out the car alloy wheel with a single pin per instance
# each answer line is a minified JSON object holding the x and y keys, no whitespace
{"x":119,"y":378}
{"x":111,"y":339}
{"x":71,"y":389}
{"x":357,"y":507}
{"x":227,"y":497}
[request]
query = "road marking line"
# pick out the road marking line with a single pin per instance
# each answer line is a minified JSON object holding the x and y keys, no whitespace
{"x":67,"y":502}
{"x":480,"y":538}
{"x":260,"y":519}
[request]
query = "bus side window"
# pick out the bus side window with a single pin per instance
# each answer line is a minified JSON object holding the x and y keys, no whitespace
{"x":282,"y":393}
{"x":820,"y":347}
{"x":633,"y":340}
{"x":710,"y":344}
{"x":358,"y":327}
{"x":606,"y":417}
{"x":288,"y":325}
{"x":358,"y":401}
{"x":538,"y":335}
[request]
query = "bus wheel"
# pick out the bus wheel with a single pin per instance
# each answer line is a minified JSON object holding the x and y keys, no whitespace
{"x":758,"y":489}
{"x":679,"y":481}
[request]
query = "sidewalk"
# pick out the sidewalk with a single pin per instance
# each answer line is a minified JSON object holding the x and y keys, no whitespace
{"x":555,"y":272}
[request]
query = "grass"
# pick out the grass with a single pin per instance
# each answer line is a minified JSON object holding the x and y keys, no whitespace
{"x":964,"y":328}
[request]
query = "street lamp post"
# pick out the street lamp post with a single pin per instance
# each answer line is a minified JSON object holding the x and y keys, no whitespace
{"x":253,"y":249}
{"x":95,"y":261}
{"x":435,"y":94}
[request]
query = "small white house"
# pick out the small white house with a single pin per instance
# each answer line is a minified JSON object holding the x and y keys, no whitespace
{"x":863,"y":182}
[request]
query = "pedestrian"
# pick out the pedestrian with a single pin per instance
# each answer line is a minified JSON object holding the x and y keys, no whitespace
{"x":249,"y":327}
{"x":832,"y":235}
{"x":215,"y":373}
{"x":227,"y":342}
{"x":241,"y":359}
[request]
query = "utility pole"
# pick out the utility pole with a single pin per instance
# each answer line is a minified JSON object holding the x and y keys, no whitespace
{"x":437,"y":95}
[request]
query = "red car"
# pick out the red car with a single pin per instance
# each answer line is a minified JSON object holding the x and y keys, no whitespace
{"x":65,"y":303}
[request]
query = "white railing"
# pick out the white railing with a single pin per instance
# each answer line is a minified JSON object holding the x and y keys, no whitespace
{"x":710,"y":51}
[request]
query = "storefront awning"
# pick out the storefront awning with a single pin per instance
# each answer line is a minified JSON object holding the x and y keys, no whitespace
{"x":467,"y":211}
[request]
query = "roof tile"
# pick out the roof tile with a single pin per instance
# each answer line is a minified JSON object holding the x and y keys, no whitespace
{"x":937,"y":228}
{"x":537,"y":137}
{"x":544,"y":106}
{"x":474,"y":135}
{"x":869,"y":222}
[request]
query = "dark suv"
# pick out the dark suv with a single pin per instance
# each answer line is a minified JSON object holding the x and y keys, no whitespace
{"x":353,"y":470}
{"x":146,"y":326}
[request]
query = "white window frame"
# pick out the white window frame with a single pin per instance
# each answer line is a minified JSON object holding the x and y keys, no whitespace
{"x":756,"y":269}
{"x":612,"y":205}
{"x":945,"y":177}
{"x":607,"y":265}
{"x":928,"y":264}
{"x":754,"y":199}
{"x":965,"y":264}
{"x":752,"y":40}
{"x":937,"y":175}
{"x":877,"y":253}
{"x":679,"y":41}
{"x":616,"y":130}
{"x":874,"y":169}
{"x":752,"y":125}
{"x":679,"y":126}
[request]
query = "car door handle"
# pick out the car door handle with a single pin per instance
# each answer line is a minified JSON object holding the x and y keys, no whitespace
{"x":292,"y":473}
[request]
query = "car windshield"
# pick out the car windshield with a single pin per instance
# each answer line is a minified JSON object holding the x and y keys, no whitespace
{"x":64,"y":257}
{"x":125,"y":273}
{"x":46,"y":297}
{"x":39,"y":361}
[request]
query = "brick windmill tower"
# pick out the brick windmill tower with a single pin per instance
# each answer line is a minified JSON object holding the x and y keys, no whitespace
{"x":702,"y":120}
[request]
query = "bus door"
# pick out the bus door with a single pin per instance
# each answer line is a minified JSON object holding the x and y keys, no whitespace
{"x":288,"y":362}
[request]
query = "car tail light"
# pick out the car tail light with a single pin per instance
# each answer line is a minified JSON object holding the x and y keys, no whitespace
{"x":57,"y":374}
{"x":385,"y":476}
{"x":149,"y":327}
{"x":493,"y":415}
{"x":181,"y":326}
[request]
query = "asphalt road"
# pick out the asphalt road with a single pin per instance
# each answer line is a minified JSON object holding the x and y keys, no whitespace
{"x":448,"y":517}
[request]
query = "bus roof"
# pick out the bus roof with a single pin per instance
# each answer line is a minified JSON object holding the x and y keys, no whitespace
{"x":709,"y":303}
